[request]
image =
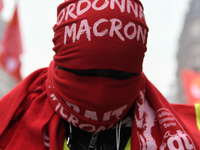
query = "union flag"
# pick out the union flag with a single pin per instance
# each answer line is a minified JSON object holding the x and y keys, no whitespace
{"x":11,"y":47}
{"x":1,"y":5}
{"x":191,"y":85}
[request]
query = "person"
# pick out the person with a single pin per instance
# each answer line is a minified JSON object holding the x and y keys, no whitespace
{"x":94,"y":94}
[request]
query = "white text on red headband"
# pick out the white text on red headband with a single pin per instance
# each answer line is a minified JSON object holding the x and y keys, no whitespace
{"x":116,"y":26}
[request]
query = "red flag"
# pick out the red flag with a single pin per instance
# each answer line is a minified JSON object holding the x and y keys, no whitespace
{"x":191,"y":84}
{"x":11,"y":47}
{"x":1,"y":5}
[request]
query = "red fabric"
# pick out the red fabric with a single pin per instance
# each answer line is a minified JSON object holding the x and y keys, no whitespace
{"x":78,"y":39}
{"x":121,"y":27}
{"x":32,"y":114}
{"x":1,"y":5}
{"x":160,"y":125}
{"x":28,"y":120}
{"x":191,"y":85}
{"x":87,"y":102}
{"x":187,"y":113}
{"x":78,"y":44}
{"x":11,"y":47}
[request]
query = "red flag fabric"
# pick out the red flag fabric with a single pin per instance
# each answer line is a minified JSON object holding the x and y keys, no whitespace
{"x":191,"y":84}
{"x":11,"y":47}
{"x":1,"y":5}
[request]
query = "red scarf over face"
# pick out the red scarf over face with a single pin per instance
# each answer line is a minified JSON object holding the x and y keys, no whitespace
{"x":113,"y":37}
{"x":93,"y":34}
{"x":91,"y":103}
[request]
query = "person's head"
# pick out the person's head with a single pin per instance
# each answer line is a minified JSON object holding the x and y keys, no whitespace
{"x":99,"y":50}
{"x":107,"y":34}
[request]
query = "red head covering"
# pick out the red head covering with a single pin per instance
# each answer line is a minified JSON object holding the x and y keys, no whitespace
{"x":93,"y":34}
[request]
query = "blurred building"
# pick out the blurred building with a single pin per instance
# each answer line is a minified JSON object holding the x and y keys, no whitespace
{"x":188,"y":55}
{"x":6,"y":81}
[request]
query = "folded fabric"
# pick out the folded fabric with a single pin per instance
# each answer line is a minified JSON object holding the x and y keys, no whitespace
{"x":28,"y":120}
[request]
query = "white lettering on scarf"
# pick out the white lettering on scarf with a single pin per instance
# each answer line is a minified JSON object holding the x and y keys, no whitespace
{"x":74,"y":11}
{"x":145,"y":121}
{"x":93,"y":115}
{"x":177,"y":139}
{"x":114,"y":26}
{"x":174,"y":136}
